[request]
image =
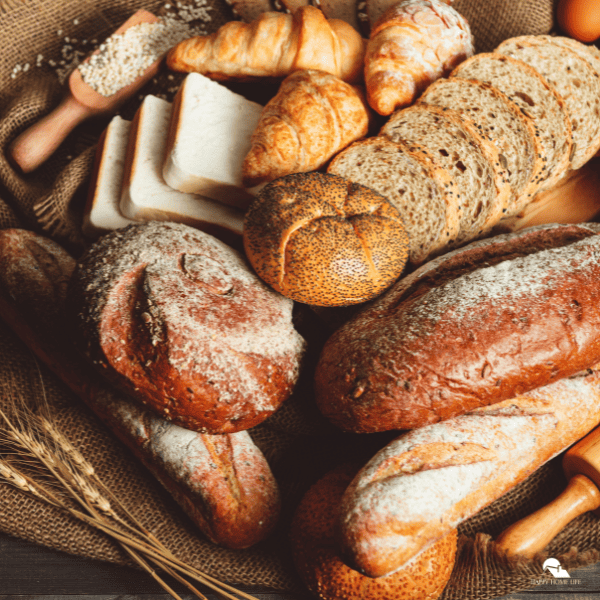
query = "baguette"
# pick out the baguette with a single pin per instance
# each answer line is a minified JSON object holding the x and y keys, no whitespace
{"x":222,"y":482}
{"x":474,"y":327}
{"x":422,"y":485}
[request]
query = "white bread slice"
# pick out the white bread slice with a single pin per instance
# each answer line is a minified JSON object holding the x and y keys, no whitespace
{"x":102,"y":213}
{"x":574,"y":79}
{"x":209,"y":137}
{"x":145,"y":196}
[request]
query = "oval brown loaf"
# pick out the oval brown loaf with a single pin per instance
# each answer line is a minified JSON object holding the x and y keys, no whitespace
{"x":474,"y":327}
{"x":320,"y":239}
{"x":320,"y":566}
{"x":179,"y":321}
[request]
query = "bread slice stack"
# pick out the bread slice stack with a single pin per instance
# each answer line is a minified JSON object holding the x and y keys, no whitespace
{"x":179,"y":162}
{"x":503,"y":127}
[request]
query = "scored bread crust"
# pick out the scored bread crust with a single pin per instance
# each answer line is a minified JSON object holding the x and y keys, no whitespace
{"x":424,"y":484}
{"x":499,"y":119}
{"x":523,"y":85}
{"x":574,"y":79}
{"x":473,"y":327}
{"x":444,"y":133}
{"x":402,"y":165}
{"x":179,"y":321}
{"x":317,"y":559}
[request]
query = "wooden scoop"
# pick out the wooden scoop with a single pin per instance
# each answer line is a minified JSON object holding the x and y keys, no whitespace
{"x":36,"y":144}
{"x":532,"y":534}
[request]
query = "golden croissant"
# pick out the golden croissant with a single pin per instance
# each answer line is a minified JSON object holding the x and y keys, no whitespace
{"x":411,"y":45}
{"x":274,"y":45}
{"x":313,"y":116}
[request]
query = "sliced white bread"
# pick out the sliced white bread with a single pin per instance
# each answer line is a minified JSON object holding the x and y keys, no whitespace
{"x":102,"y":212}
{"x":574,"y":79}
{"x":482,"y":185}
{"x":209,"y":137}
{"x":501,"y":121}
{"x":408,"y":178}
{"x":146,"y":196}
{"x":536,"y":98}
{"x":346,"y":10}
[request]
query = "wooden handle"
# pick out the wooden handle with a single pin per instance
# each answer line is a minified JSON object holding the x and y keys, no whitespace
{"x":532,"y":534}
{"x":36,"y":144}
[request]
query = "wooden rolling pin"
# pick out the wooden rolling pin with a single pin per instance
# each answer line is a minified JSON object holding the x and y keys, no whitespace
{"x":581,"y":464}
{"x":80,"y":102}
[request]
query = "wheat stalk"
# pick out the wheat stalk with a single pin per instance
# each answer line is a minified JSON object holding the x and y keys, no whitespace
{"x":74,"y":486}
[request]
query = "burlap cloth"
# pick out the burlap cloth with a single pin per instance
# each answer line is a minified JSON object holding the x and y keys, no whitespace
{"x":297,"y":441}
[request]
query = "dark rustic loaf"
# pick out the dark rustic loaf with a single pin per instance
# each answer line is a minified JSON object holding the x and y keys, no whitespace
{"x":179,"y":321}
{"x":474,"y":327}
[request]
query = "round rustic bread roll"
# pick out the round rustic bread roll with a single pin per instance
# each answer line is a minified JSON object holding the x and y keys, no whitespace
{"x":320,"y":239}
{"x":179,"y":321}
{"x":325,"y":574}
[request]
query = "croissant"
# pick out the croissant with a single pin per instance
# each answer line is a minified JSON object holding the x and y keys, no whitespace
{"x":411,"y":45}
{"x":274,"y":45}
{"x":313,"y":116}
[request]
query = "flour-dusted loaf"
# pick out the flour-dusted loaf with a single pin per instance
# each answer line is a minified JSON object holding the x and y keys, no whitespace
{"x":102,"y":212}
{"x":474,"y":327}
{"x":502,"y":122}
{"x":145,"y":195}
{"x":209,"y":136}
{"x":178,"y":320}
{"x":422,"y":191}
{"x":421,"y":486}
{"x":536,"y":98}
{"x":482,"y":185}
{"x":574,"y":78}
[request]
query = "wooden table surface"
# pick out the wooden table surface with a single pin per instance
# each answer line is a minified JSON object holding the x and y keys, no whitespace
{"x":31,"y":572}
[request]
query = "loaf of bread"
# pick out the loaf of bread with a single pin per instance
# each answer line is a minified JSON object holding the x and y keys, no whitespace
{"x":209,"y":136}
{"x":222,"y":482}
{"x":274,"y":45}
{"x":313,"y":116}
{"x":318,"y":561}
{"x":421,"y":486}
{"x":319,"y":239}
{"x":473,"y":327}
{"x":179,"y":321}
{"x":411,"y":45}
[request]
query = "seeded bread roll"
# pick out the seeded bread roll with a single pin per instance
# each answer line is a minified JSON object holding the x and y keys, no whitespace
{"x":317,"y":559}
{"x":536,"y":98}
{"x":423,"y":193}
{"x":179,"y":321}
{"x":501,"y":121}
{"x":320,"y":239}
{"x":574,"y":79}
{"x":473,"y":327}
{"x":482,"y":183}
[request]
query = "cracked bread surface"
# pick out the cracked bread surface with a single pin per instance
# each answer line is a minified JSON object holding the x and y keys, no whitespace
{"x":502,"y":122}
{"x":423,"y":193}
{"x":481,"y":182}
{"x":536,"y":98}
{"x":574,"y":79}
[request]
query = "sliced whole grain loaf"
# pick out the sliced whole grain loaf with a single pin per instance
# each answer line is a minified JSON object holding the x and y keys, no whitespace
{"x":536,"y":98}
{"x":502,"y":122}
{"x":481,"y":182}
{"x":407,"y":177}
{"x":574,"y":79}
{"x":346,"y":10}
{"x":587,"y":52}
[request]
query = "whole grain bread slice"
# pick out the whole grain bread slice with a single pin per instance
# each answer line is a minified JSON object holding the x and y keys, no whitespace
{"x":456,"y":145}
{"x":574,"y":79}
{"x":500,"y":120}
{"x":536,"y":98}
{"x":408,"y":178}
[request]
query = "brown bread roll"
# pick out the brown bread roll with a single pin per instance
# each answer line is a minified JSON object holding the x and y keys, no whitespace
{"x":320,"y":239}
{"x":318,"y":561}
{"x":179,"y":321}
{"x":474,"y":327}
